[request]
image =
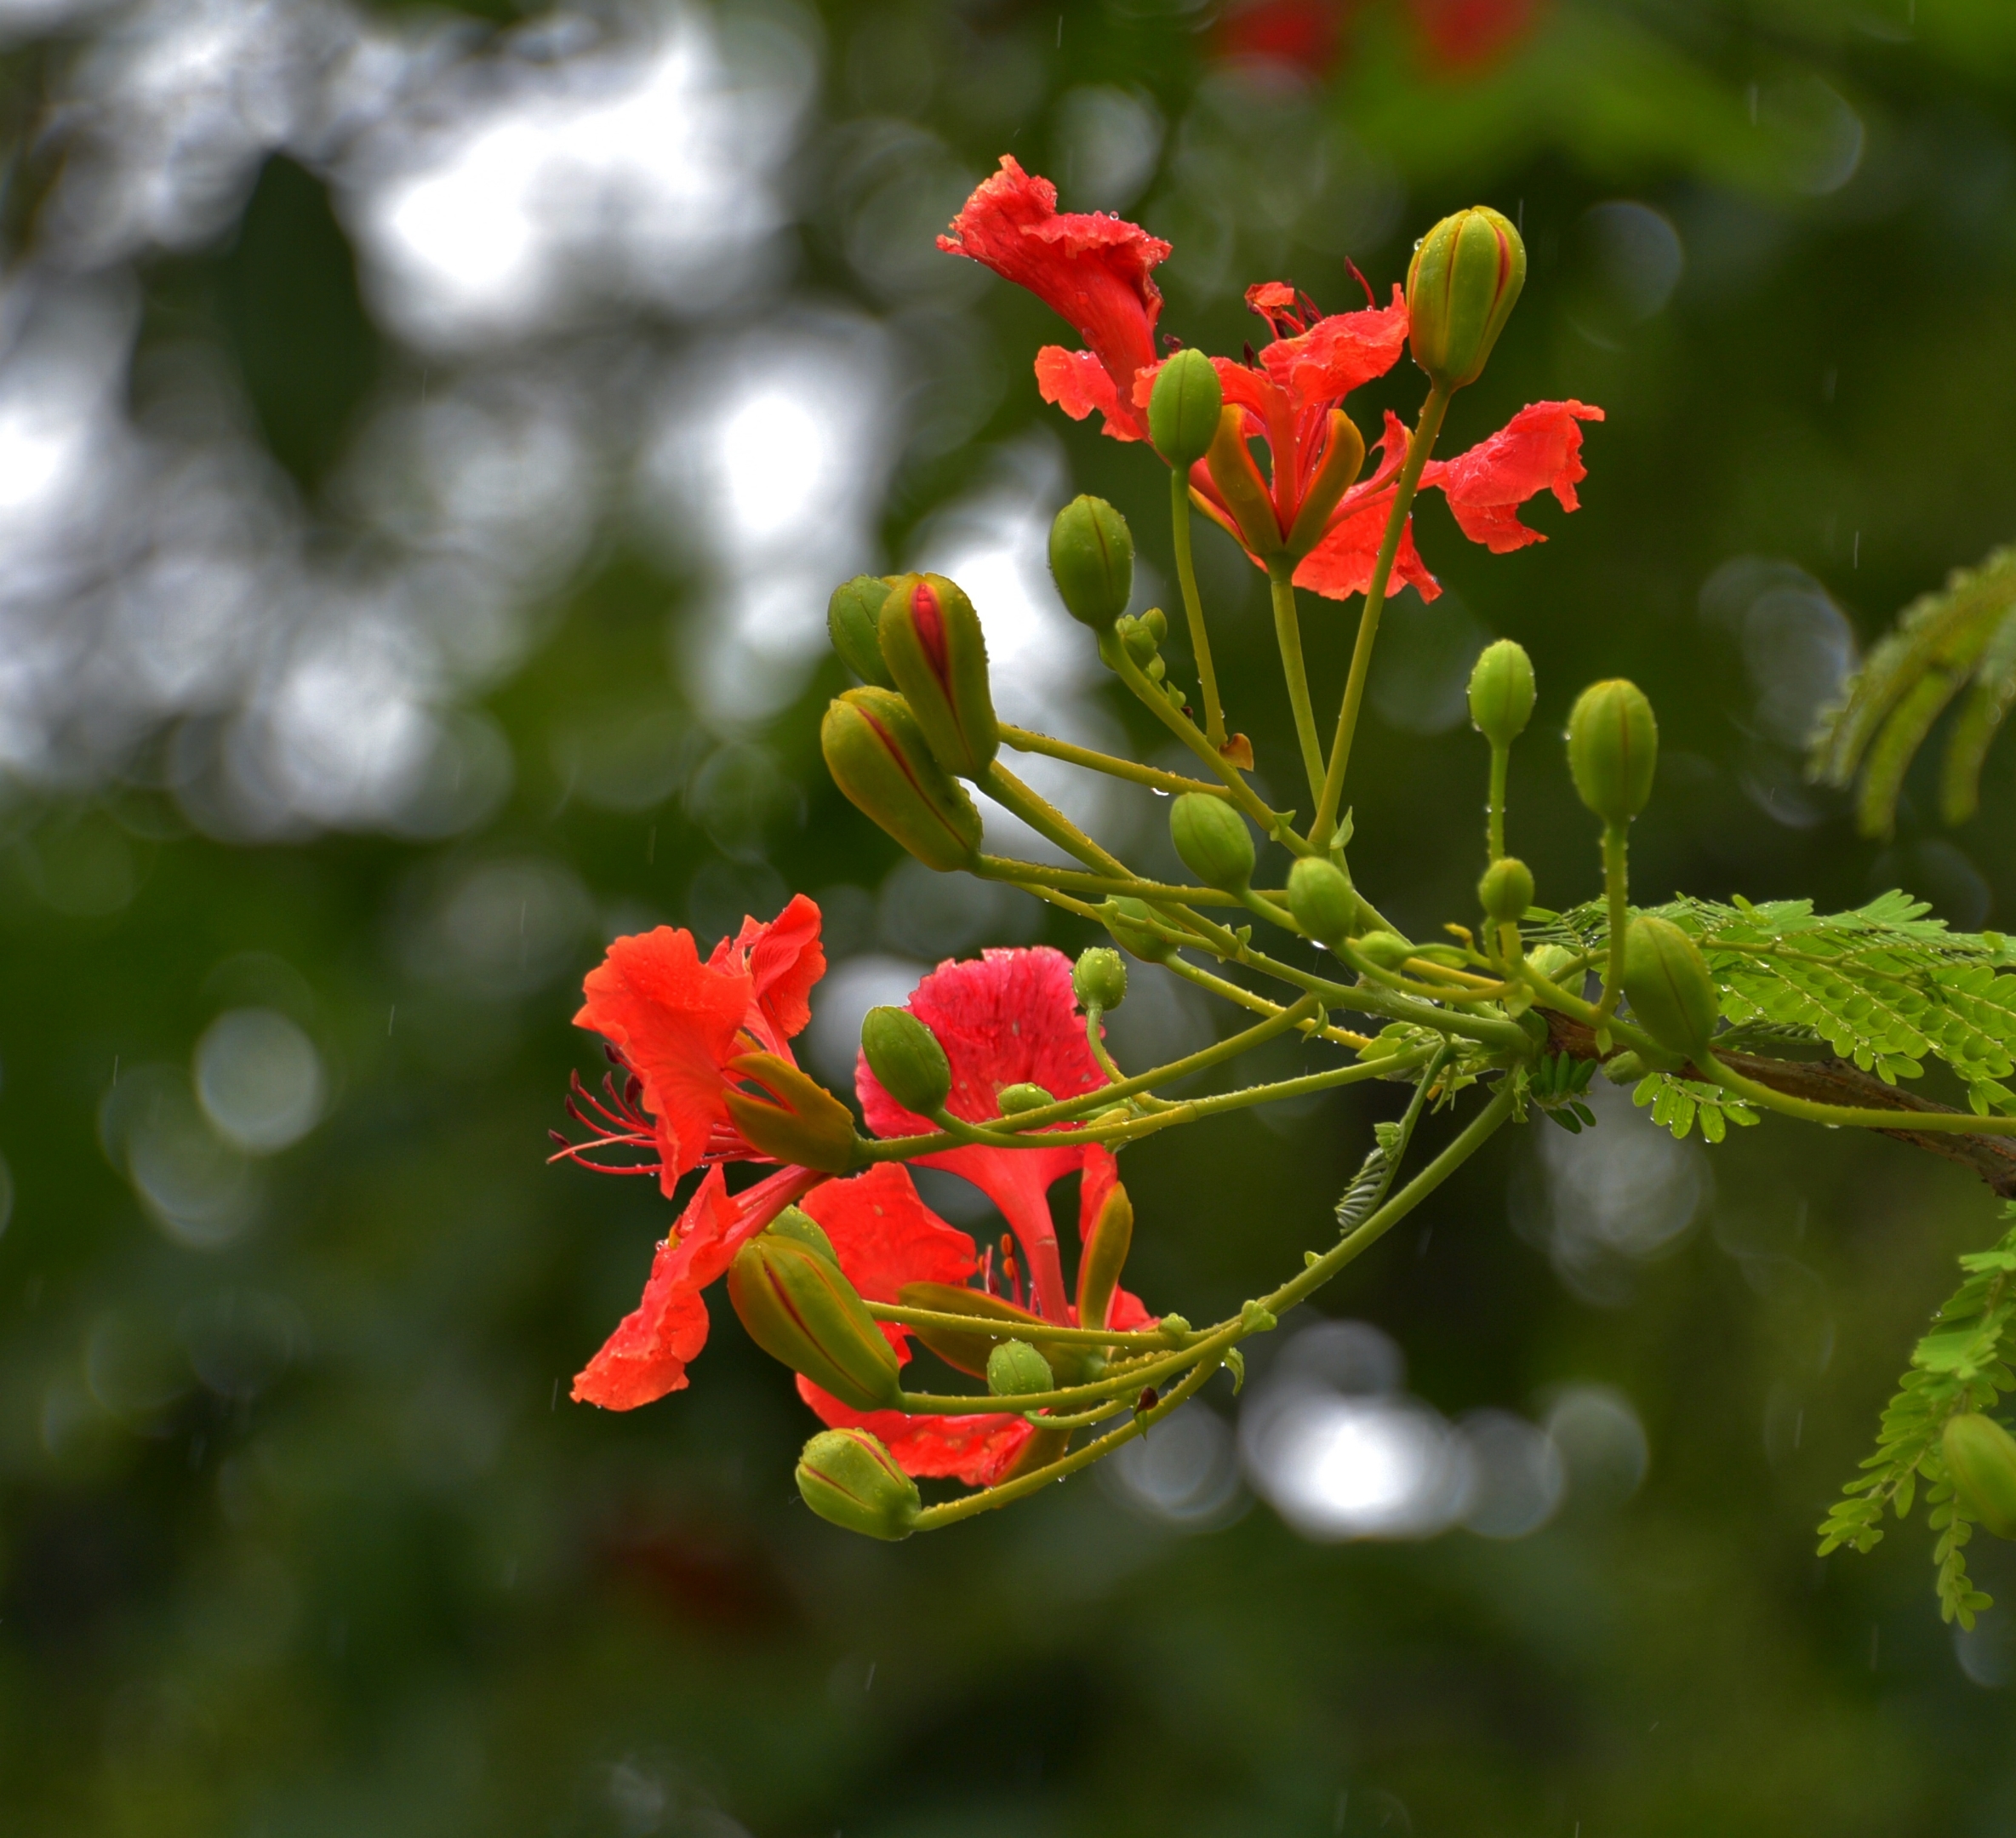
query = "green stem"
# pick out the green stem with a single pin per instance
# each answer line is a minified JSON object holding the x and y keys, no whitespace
{"x":1547,"y":994}
{"x":915,"y":1317}
{"x":1049,"y":822}
{"x":1495,"y":831}
{"x":1027,"y":740}
{"x":1251,"y":999}
{"x":1287,"y":634}
{"x":1001,"y":868}
{"x":1843,"y":1117}
{"x":1193,"y":607}
{"x":1616,"y":889}
{"x":1418,"y":449}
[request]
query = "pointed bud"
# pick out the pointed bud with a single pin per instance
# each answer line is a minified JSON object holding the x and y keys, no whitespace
{"x":792,"y":1117}
{"x":1016,"y":1369}
{"x":1667,"y":982}
{"x":1501,"y":692}
{"x":1981,"y":1458}
{"x":1131,"y":925}
{"x":850,"y":1480}
{"x":1103,"y":1257}
{"x":1092,"y":560}
{"x":1099,"y":978}
{"x":995,"y":1323}
{"x":1213,"y":840}
{"x":1323,"y":900}
{"x":931,"y":642}
{"x":1238,"y":480}
{"x":1613,"y":750}
{"x":851,"y":617}
{"x":878,"y":756}
{"x":907,"y":1059}
{"x":1461,"y":286}
{"x":803,"y":1312}
{"x":804,"y":1229}
{"x":1507,"y":890}
{"x":1015,"y":1099}
{"x":1182,"y":409}
{"x":1344,"y":453}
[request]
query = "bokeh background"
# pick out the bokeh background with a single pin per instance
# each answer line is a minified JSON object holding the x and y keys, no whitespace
{"x":427,"y":440}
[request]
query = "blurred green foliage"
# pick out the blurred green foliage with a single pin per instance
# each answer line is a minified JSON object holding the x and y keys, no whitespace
{"x":299,"y":1535}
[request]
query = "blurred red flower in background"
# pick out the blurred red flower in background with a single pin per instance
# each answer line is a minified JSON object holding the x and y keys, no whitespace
{"x":1310,"y":36}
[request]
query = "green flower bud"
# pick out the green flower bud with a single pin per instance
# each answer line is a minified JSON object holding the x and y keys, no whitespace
{"x":1461,"y":286}
{"x":804,"y":1228}
{"x":995,"y":1323}
{"x":1103,"y":1257}
{"x":1130,"y":924}
{"x":1388,"y":950}
{"x":803,"y":1311}
{"x":1016,"y":1098}
{"x":879,"y":757}
{"x":1182,"y":409}
{"x":1672,"y":995}
{"x":1092,"y":560}
{"x":790,"y":1114}
{"x":1624,"y":1068}
{"x":1155,"y":623}
{"x":851,"y":617}
{"x":1550,"y":960}
{"x":931,"y":642}
{"x":1099,"y":978}
{"x":850,"y":1480}
{"x":1507,"y":890}
{"x":1138,"y":639}
{"x":907,"y":1059}
{"x":1613,"y":749}
{"x":1213,"y":840}
{"x":1323,"y":900}
{"x":1501,"y":692}
{"x":1016,"y":1369}
{"x":1981,"y":1458}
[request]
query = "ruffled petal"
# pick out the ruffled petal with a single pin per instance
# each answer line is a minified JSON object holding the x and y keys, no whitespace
{"x":1340,"y":565}
{"x":674,"y":1019}
{"x":1077,"y":382}
{"x":978,"y":1449}
{"x":1338,"y":354}
{"x":653,"y":1345}
{"x":1539,"y":449}
{"x":1091,"y":270}
{"x":784,"y":963}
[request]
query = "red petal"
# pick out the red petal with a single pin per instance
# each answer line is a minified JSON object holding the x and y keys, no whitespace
{"x":1128,"y":1313}
{"x":1338,"y":354}
{"x":1539,"y":449}
{"x":785,"y":962}
{"x":648,"y":1354}
{"x":1091,"y":270}
{"x":886,"y":1237}
{"x":675,"y":1020}
{"x":977,"y":1449}
{"x":1078,"y":383}
{"x":1340,"y":565}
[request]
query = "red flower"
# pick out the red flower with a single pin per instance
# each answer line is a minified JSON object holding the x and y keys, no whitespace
{"x":674,"y":1024}
{"x":885,"y":1236}
{"x":1091,"y":270}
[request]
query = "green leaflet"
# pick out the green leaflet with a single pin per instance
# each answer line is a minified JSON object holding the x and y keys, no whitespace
{"x":1964,"y":633}
{"x":1961,"y":1365}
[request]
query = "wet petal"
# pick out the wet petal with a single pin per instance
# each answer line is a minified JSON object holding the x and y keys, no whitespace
{"x":1539,"y":449}
{"x":977,"y":1449}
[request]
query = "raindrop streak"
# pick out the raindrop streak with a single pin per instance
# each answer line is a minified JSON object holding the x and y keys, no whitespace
{"x":391,"y":1015}
{"x":1856,"y":561}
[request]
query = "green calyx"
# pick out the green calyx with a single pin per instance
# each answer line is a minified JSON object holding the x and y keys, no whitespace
{"x":1182,"y":409}
{"x":1507,"y":890}
{"x":1213,"y":840}
{"x":878,"y":754}
{"x":803,"y":1311}
{"x":1980,"y":1456}
{"x":1092,"y":560}
{"x":1016,"y":1369}
{"x":994,"y":1322}
{"x":1099,"y":978}
{"x":852,"y":616}
{"x":1105,"y":1256}
{"x":932,"y":643}
{"x":1667,"y":982}
{"x":850,"y":1480}
{"x":801,"y":1227}
{"x":789,"y":1115}
{"x":1323,"y":901}
{"x":1613,"y":750}
{"x":1462,"y":284}
{"x":1501,"y":692}
{"x":907,"y":1059}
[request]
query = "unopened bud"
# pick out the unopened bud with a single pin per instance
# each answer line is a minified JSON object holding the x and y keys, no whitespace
{"x":931,"y":642}
{"x":803,"y":1311}
{"x":1981,"y":1458}
{"x":1666,"y":981}
{"x":1461,"y":286}
{"x":1388,"y":950}
{"x":1099,"y":978}
{"x":791,"y":1116}
{"x":1016,"y":1369}
{"x":1182,"y":409}
{"x":1092,"y":560}
{"x":1550,"y":960}
{"x":1213,"y":840}
{"x":907,"y":1059}
{"x":994,"y":1322}
{"x":1014,"y":1100}
{"x":1613,"y":749}
{"x":850,"y":1480}
{"x":1507,"y":890}
{"x":1105,"y":1256}
{"x":1132,"y":928}
{"x":1501,"y":692}
{"x":804,"y":1228}
{"x":1323,"y":901}
{"x":879,"y":757}
{"x":851,"y":618}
